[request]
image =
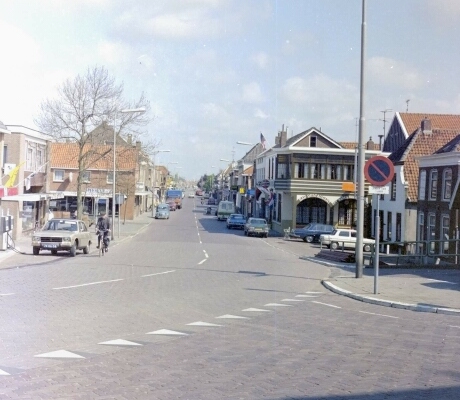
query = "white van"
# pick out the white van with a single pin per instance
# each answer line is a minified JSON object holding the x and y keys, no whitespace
{"x":224,"y":209}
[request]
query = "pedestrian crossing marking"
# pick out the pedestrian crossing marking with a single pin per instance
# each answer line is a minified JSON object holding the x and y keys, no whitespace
{"x":201,"y":323}
{"x":120,"y":342}
{"x":230,"y":316}
{"x":305,"y":295}
{"x":59,"y":354}
{"x":292,"y":300}
{"x":277,"y":305}
{"x":166,"y":332}
{"x":255,"y":310}
{"x":314,"y":292}
{"x":3,"y":373}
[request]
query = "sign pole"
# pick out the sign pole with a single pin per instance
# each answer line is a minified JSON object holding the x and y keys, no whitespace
{"x":376,"y":248}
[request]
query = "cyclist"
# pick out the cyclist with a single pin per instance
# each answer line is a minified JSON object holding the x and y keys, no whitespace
{"x":103,"y":226}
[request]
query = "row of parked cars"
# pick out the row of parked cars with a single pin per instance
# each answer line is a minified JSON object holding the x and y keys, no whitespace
{"x":251,"y":226}
{"x":329,"y":236}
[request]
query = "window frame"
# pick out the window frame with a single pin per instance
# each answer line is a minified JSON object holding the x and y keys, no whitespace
{"x":422,"y":185}
{"x":433,"y":189}
{"x":445,"y":184}
{"x":86,"y":177}
{"x":55,"y":179}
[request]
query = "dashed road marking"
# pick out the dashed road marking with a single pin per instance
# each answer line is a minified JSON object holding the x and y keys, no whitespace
{"x":325,"y":304}
{"x":201,"y":323}
{"x":277,"y":305}
{"x":292,"y":300}
{"x":380,"y":315}
{"x":255,"y":310}
{"x":306,"y":295}
{"x":87,"y":284}
{"x":159,"y":273}
{"x":59,"y":354}
{"x":166,"y":332}
{"x":120,"y":342}
{"x":202,"y":261}
{"x":205,"y":254}
{"x":6,"y":294}
{"x":230,"y":316}
{"x":454,"y":326}
{"x":314,"y":292}
{"x":437,"y":280}
{"x":3,"y":373}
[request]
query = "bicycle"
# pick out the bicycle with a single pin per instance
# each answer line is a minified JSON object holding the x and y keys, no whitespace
{"x":103,"y":240}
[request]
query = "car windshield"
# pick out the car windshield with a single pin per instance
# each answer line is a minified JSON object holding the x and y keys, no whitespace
{"x":61,"y":225}
{"x":163,"y":207}
{"x":236,"y":216}
{"x":257,"y":221}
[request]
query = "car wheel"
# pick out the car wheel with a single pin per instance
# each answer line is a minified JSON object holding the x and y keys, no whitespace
{"x":36,"y":251}
{"x":86,"y":249}
{"x":309,"y":239}
{"x":266,"y":235}
{"x":334,"y":246}
{"x":367,"y":247}
{"x":73,"y":250}
{"x":53,"y":252}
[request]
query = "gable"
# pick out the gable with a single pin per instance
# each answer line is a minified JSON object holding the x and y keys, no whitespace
{"x":307,"y":138}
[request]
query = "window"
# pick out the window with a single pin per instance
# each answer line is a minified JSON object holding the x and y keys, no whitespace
{"x":398,"y":227}
{"x":422,"y":185}
{"x":109,"y":176}
{"x":58,"y":175}
{"x":433,"y":184}
{"x":86,"y":176}
{"x":5,"y":155}
{"x":447,"y":184}
{"x":300,"y":170}
{"x":389,"y":220}
{"x":313,"y":141}
{"x":445,"y":222}
{"x":393,"y":188}
{"x":39,"y":160}
{"x":420,"y":231}
{"x":29,"y":157}
{"x":431,"y":233}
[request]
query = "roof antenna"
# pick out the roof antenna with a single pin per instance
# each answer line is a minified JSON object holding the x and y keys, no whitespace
{"x":407,"y":105}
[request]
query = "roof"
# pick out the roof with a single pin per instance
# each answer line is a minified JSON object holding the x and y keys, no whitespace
{"x":65,"y":155}
{"x":451,"y":147}
{"x":249,"y":171}
{"x":412,"y":121}
{"x":416,"y":145}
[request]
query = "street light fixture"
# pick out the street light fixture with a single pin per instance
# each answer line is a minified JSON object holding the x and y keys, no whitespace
{"x":140,"y":110}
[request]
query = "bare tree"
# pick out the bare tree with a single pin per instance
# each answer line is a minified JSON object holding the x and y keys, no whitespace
{"x":82,"y":104}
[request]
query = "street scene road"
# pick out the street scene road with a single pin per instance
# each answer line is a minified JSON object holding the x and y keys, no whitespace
{"x":185,"y":308}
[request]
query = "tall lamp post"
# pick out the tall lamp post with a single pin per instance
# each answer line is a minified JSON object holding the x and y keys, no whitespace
{"x":139,"y":110}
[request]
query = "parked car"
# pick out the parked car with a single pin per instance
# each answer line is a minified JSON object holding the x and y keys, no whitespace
{"x":199,"y":192}
{"x":191,"y":195}
{"x":236,"y":221}
{"x":162,"y":211}
{"x":345,"y":238}
{"x":311,"y":232}
{"x":256,"y":227}
{"x":62,"y":235}
{"x":172,"y":205}
{"x":212,"y":201}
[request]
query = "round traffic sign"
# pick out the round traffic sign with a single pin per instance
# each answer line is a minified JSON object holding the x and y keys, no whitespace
{"x":379,"y":170}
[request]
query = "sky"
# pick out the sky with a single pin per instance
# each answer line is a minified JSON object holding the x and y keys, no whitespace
{"x":220,"y":71}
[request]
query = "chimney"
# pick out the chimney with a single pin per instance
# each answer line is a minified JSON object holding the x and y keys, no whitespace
{"x":283,"y":137}
{"x":426,"y":126}
{"x":138,"y":145}
{"x":370,"y":144}
{"x":130,"y":139}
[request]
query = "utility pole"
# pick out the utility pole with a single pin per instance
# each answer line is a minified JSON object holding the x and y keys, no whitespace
{"x":384,"y":123}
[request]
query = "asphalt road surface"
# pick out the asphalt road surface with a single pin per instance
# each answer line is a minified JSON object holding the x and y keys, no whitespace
{"x":187,"y":309}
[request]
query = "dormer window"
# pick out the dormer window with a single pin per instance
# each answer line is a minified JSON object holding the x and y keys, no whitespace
{"x":312,"y":141}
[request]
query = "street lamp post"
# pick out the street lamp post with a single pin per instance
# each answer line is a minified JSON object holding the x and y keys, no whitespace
{"x":139,"y":110}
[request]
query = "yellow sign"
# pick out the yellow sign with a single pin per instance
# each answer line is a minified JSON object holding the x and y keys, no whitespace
{"x":242,"y":190}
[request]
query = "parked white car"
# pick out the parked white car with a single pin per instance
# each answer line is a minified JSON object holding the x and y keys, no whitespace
{"x":345,"y":238}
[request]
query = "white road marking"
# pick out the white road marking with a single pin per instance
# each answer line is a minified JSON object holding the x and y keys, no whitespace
{"x":159,"y":273}
{"x":256,"y":310}
{"x":292,"y":300}
{"x":202,"y":261}
{"x":3,"y":372}
{"x":201,"y":323}
{"x":325,"y":304}
{"x":306,"y":295}
{"x":86,"y":284}
{"x":277,"y":305}
{"x":121,"y":342}
{"x":229,"y":316}
{"x":314,"y":292}
{"x":454,"y":326}
{"x":59,"y":354}
{"x":437,"y":280}
{"x":380,"y":315}
{"x":6,"y":294}
{"x":205,"y":254}
{"x":167,"y":332}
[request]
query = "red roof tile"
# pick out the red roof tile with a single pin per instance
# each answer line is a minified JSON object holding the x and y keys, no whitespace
{"x":412,"y":121}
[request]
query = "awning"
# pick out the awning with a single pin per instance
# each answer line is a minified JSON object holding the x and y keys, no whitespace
{"x":26,"y":197}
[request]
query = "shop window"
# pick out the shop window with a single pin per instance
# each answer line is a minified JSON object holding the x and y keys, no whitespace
{"x":445,"y":222}
{"x":389,"y":221}
{"x":398,"y":227}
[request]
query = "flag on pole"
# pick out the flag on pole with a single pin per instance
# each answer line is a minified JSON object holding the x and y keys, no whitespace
{"x":12,"y":176}
{"x":263,"y":142}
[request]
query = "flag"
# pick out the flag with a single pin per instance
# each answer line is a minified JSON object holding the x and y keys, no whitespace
{"x":10,"y":182}
{"x":262,"y":140}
